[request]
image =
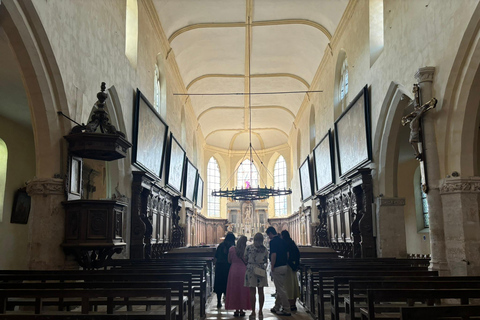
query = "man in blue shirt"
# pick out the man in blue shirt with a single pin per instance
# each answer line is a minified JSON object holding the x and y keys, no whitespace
{"x":278,"y":260}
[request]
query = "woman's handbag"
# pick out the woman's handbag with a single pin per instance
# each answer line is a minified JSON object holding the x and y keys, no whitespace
{"x":259,"y":272}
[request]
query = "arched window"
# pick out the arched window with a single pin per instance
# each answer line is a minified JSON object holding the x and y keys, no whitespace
{"x":421,"y":204}
{"x":247,"y":175}
{"x":160,"y":87}
{"x":183,"y":124}
{"x":426,"y":217}
{"x":3,"y":174}
{"x":343,"y":85}
{"x":157,"y":90}
{"x":312,"y":127}
{"x":299,"y":148}
{"x":131,"y":37}
{"x":280,"y":182}
{"x":376,"y":29}
{"x":213,"y":183}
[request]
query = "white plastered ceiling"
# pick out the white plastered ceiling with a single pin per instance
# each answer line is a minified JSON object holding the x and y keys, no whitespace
{"x":248,"y":47}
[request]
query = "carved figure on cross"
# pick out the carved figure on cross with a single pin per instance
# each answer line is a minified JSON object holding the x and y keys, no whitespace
{"x":414,"y":118}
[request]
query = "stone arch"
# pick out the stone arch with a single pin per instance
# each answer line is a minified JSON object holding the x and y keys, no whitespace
{"x":43,"y":84}
{"x":461,"y":102}
{"x":385,"y":142}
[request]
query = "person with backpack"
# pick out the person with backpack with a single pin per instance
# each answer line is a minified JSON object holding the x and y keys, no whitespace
{"x":293,"y":262}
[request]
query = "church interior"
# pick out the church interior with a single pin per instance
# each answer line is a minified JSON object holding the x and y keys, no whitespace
{"x":133,"y":131}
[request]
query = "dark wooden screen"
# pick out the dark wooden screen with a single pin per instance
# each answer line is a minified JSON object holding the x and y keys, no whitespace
{"x":154,"y":219}
{"x":345,"y":214}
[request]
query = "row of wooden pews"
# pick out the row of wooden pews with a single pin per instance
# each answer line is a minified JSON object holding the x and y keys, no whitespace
{"x":383,"y":288}
{"x":155,"y":289}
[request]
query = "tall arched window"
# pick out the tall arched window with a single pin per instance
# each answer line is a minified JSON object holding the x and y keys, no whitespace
{"x":247,"y":175}
{"x":299,"y":147}
{"x":213,"y":183}
{"x":3,"y":174}
{"x":157,"y":90}
{"x":426,"y":217}
{"x":343,"y":85}
{"x":160,"y":83}
{"x":312,"y":127}
{"x":376,"y":29}
{"x":280,"y":182}
{"x":131,"y":36}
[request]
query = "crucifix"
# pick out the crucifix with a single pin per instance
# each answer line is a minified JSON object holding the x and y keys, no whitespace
{"x":416,"y":138}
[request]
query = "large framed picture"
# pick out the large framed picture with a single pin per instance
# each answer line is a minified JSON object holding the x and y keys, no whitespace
{"x":323,"y":159}
{"x":199,"y":193}
{"x":352,"y":135}
{"x":306,"y":185}
{"x":189,"y":181}
{"x":21,"y":207}
{"x":175,"y":165}
{"x":149,"y":137}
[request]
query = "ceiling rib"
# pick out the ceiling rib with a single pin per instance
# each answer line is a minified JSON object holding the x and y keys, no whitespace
{"x":239,"y":108}
{"x":262,"y":144}
{"x":262,"y":75}
{"x":254,"y":24}
{"x":246,"y":131}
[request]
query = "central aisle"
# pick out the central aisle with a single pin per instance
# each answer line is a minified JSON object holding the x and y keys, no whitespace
{"x":216,"y":314}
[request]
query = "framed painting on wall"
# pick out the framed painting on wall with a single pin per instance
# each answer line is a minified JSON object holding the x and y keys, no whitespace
{"x":352,"y":135}
{"x":21,"y":207}
{"x":199,"y":193}
{"x":323,"y":156}
{"x":189,"y":181}
{"x":306,"y":185}
{"x":175,"y":165}
{"x":149,"y":137}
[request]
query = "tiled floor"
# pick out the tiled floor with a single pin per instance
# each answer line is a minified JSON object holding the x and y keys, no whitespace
{"x":216,"y":314}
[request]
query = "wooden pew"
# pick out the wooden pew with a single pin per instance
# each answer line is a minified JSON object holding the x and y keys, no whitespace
{"x":178,"y":298}
{"x":308,"y":272}
{"x":358,"y":288}
{"x":199,"y":282}
{"x":325,"y":282}
{"x":376,"y":299}
{"x":439,"y":312}
{"x":102,"y":276}
{"x":135,"y":297}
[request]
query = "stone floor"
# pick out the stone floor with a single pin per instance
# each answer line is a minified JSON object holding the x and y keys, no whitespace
{"x":216,"y":314}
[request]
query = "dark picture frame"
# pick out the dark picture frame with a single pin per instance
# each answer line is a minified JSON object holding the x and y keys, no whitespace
{"x":189,"y":181}
{"x":306,"y":185}
{"x":199,"y":192}
{"x":353,"y":134}
{"x":324,"y":162}
{"x":149,"y":137}
{"x":175,"y":165}
{"x":21,"y":207}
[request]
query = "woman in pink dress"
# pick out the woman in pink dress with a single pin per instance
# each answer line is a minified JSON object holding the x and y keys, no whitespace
{"x":238,"y":296}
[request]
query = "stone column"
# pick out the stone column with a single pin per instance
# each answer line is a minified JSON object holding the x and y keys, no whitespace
{"x":46,"y":228}
{"x":424,"y":77}
{"x":460,"y":198}
{"x":391,"y":239}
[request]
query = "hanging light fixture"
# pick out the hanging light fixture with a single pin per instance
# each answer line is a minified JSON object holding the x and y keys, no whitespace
{"x":248,"y":192}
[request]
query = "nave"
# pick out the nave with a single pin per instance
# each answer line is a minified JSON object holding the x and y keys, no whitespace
{"x":214,"y":313}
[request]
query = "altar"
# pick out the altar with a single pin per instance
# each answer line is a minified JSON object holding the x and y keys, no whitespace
{"x":247,"y":217}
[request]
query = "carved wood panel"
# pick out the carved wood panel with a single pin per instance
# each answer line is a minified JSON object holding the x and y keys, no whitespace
{"x":154,"y":219}
{"x":345,"y":215}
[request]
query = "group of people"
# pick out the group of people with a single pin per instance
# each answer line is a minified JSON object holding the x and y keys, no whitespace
{"x":241,"y":270}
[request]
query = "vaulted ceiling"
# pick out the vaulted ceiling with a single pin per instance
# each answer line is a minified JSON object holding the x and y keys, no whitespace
{"x":230,"y":53}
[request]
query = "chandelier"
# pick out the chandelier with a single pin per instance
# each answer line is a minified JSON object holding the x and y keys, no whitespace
{"x":250,"y":193}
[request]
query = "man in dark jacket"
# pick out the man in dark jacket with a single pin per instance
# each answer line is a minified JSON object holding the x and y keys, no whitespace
{"x":278,"y":260}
